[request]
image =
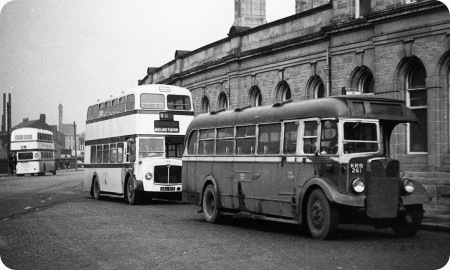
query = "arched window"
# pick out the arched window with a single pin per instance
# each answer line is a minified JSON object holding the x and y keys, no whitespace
{"x":283,"y":91}
{"x":255,"y":96}
{"x":416,"y":98}
{"x":362,"y":80}
{"x":316,"y":88}
{"x":205,"y":105}
{"x":223,"y":101}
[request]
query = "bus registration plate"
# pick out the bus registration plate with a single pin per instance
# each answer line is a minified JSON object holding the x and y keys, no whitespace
{"x":167,"y":188}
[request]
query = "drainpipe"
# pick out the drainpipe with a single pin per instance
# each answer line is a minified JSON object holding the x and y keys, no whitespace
{"x":327,"y":69}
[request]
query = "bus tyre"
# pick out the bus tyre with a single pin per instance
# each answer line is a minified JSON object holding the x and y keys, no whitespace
{"x":210,"y":205}
{"x":132,"y":196}
{"x":322,"y":216}
{"x":96,"y":189}
{"x":408,"y":225}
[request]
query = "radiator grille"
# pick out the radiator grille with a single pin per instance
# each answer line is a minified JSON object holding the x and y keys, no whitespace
{"x":167,"y":174}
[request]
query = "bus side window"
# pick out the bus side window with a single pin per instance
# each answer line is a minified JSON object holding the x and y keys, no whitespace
{"x":130,"y":103}
{"x":206,"y":142}
{"x":192,"y":143}
{"x":122,"y":102}
{"x":290,"y":138}
{"x":310,"y":137}
{"x":99,"y":154}
{"x":245,"y":140}
{"x":89,"y":113}
{"x":112,"y":153}
{"x":131,"y":150}
{"x":93,"y":154}
{"x":95,"y":111}
{"x":108,"y":109}
{"x":105,"y":153}
{"x":101,"y":112}
{"x":115,"y":106}
{"x":225,"y":141}
{"x":120,"y":152}
{"x":269,"y":139}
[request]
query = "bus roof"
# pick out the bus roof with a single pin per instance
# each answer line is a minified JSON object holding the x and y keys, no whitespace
{"x":146,"y":88}
{"x":360,"y":106}
{"x":30,"y":130}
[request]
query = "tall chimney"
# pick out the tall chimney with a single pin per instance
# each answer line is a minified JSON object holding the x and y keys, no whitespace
{"x":4,"y":113}
{"x":60,"y":107}
{"x":249,"y":13}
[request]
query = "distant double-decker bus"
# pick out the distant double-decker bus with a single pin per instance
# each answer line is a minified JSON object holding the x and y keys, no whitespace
{"x":316,"y":163}
{"x":134,"y":143}
{"x":35,"y":151}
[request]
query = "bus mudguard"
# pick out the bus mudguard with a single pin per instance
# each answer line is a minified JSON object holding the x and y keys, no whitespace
{"x":209,"y":179}
{"x":419,"y":196}
{"x":330,"y":190}
{"x":138,"y":184}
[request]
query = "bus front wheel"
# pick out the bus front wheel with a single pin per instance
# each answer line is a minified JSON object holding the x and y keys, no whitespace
{"x":210,"y":205}
{"x":409,"y":224}
{"x":322,"y":216}
{"x":132,"y":196}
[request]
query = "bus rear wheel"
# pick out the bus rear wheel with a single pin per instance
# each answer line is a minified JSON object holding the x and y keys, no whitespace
{"x":322,"y":216}
{"x":132,"y":196}
{"x":210,"y":205}
{"x":96,"y":189}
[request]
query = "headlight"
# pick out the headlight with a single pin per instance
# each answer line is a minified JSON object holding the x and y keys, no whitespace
{"x":358,"y":185}
{"x":408,"y":185}
{"x":36,"y":155}
{"x":148,"y":176}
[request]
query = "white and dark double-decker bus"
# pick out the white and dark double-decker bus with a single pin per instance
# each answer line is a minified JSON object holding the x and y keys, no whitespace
{"x":134,"y":143}
{"x":317,"y":163}
{"x":35,"y":151}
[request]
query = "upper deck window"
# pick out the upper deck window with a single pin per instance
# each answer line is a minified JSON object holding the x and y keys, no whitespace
{"x":130,"y":102}
{"x":122,"y":102}
{"x":178,"y":102}
{"x":152,"y":101}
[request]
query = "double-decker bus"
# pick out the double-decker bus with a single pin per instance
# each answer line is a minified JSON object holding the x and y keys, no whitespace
{"x":134,"y":143}
{"x":35,"y":151}
{"x":316,"y":163}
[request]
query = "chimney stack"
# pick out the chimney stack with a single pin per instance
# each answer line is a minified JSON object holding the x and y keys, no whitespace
{"x":249,"y":13}
{"x":60,"y":107}
{"x":42,"y":117}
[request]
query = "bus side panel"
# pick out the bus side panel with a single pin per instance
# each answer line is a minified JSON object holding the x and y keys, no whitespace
{"x":243,"y":185}
{"x":265,"y":184}
{"x":190,"y":190}
{"x":203,"y":169}
{"x":222,"y":172}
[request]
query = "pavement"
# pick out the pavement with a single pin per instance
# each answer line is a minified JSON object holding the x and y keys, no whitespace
{"x":435,"y":219}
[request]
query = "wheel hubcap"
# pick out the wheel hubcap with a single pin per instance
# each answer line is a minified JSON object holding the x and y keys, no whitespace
{"x":317,"y":215}
{"x":210,"y":204}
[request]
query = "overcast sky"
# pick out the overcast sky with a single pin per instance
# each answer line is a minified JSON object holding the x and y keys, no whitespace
{"x":72,"y":52}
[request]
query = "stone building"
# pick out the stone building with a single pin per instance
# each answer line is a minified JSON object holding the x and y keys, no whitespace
{"x":388,"y":48}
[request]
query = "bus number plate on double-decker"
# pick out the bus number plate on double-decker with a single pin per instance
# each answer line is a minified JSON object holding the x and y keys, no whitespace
{"x":167,"y":188}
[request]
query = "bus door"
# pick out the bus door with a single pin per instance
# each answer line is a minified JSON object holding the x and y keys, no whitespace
{"x":244,"y":173}
{"x":308,"y":149}
{"x":288,"y":169}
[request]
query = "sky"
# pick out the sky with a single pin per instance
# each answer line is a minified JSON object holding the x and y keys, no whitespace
{"x":73,"y":52}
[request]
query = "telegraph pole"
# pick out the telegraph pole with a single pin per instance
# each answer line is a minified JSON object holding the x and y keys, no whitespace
{"x":75,"y":138}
